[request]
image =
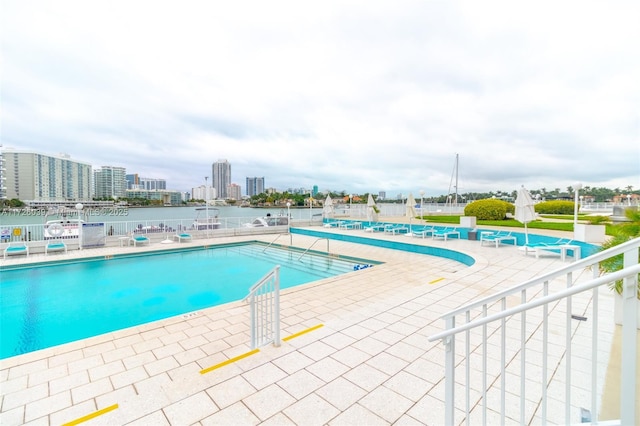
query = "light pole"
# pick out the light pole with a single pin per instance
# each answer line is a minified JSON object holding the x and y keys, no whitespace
{"x":289,"y":223}
{"x":350,"y":205}
{"x":421,"y":200}
{"x":79,"y":208}
{"x":629,"y":199}
{"x":206,"y":202}
{"x":576,"y":189}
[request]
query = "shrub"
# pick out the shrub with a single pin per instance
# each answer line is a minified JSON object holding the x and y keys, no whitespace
{"x":622,"y":232}
{"x":598,"y":220}
{"x":489,"y":209}
{"x":555,"y":207}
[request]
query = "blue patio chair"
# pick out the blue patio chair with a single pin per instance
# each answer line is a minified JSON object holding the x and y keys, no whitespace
{"x":182,"y":236}
{"x":138,"y":239}
{"x":54,"y":245}
{"x":16,"y":247}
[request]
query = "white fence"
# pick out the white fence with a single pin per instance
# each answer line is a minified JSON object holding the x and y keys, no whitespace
{"x":531,"y":331}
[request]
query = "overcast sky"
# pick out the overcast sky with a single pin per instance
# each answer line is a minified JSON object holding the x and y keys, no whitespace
{"x":358,"y":96}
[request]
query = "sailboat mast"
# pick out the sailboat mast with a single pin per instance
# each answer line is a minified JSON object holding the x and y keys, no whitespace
{"x":456,"y":179}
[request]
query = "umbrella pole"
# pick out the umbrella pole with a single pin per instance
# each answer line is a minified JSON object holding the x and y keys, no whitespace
{"x":526,"y":234}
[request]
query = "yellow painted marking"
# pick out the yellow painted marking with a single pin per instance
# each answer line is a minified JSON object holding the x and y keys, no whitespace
{"x":300,"y":333}
{"x":436,"y":281}
{"x":92,"y":415}
{"x":229,"y":361}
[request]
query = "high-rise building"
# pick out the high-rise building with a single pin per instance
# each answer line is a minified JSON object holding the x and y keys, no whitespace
{"x":110,"y":182}
{"x":200,"y":193}
{"x":255,"y":186}
{"x":3,"y":178}
{"x":314,"y":191}
{"x":151,"y":184}
{"x":133,"y":181}
{"x":32,"y":176}
{"x":221,"y":177}
{"x":234,"y":191}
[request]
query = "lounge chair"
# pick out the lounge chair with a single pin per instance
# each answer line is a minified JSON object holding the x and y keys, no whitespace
{"x":445,"y":233}
{"x":333,"y":223}
{"x":182,"y":236}
{"x":533,"y":247}
{"x":396,"y":229}
{"x":376,"y":227}
{"x":138,"y":239}
{"x":351,"y":225}
{"x":561,"y":247}
{"x":427,"y":231}
{"x":17,"y":247}
{"x":498,"y":238}
{"x":54,"y":245}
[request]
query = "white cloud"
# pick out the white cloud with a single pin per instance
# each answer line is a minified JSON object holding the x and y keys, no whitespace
{"x":353,"y":96}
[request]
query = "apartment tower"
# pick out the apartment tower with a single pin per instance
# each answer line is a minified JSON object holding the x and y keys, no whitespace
{"x":221,"y":178}
{"x":255,"y":186}
{"x":32,"y":176}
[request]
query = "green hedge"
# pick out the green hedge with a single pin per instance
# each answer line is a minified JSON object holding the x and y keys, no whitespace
{"x":489,"y":209}
{"x":555,"y":207}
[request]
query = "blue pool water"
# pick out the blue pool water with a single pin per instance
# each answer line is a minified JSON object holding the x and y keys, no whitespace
{"x":49,"y":305}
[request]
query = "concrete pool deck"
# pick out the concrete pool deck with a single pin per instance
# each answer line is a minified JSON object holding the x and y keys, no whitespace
{"x":368,"y":362}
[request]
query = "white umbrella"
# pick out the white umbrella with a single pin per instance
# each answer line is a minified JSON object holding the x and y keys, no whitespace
{"x":371,"y":204}
{"x":327,"y":210}
{"x":525,"y":211}
{"x":410,"y":211}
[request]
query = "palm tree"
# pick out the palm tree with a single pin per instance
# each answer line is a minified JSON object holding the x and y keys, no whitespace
{"x":621,"y":233}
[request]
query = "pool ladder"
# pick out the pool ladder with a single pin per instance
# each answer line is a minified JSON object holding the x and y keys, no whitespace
{"x":276,"y":238}
{"x":309,"y":248}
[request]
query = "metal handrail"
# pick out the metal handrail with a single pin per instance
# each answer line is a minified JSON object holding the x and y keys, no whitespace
{"x":629,"y":276}
{"x":264,"y":300}
{"x":581,"y":264}
{"x":309,"y":248}
{"x":562,"y":294}
{"x":272,"y":242}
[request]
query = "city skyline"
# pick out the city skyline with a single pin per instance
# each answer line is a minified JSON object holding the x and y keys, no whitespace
{"x":112,"y":182}
{"x":346,"y":96}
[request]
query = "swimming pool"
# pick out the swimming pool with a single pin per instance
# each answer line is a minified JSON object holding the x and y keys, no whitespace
{"x":44,"y":306}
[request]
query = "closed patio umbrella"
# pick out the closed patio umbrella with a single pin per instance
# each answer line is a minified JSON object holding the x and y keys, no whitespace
{"x":525,"y":212}
{"x":410,"y":210}
{"x":371,"y":205}
{"x":327,"y":210}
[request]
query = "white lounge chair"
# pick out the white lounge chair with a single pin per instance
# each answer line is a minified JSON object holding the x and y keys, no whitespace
{"x":54,"y":245}
{"x":446,"y":233}
{"x":376,"y":227}
{"x":427,"y":231}
{"x":138,"y":239}
{"x":16,"y":247}
{"x":562,"y":247}
{"x":396,"y":229}
{"x":182,"y":236}
{"x":498,"y":237}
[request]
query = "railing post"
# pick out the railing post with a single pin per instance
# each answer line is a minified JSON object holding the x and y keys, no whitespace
{"x":449,"y":372}
{"x":276,"y":307}
{"x":252,"y":319}
{"x":629,"y":335}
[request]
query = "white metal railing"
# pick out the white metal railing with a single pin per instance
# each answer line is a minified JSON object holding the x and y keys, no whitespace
{"x":312,"y":244}
{"x":114,"y":229}
{"x":529,"y":340}
{"x":264,"y":305}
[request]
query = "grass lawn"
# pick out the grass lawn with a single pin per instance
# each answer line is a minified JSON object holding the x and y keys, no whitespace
{"x":555,"y":222}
